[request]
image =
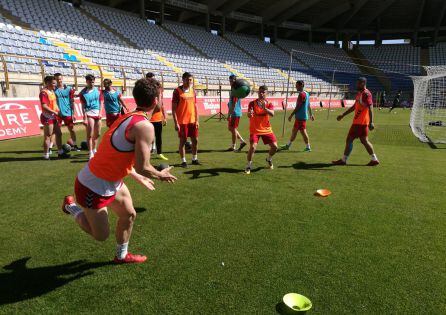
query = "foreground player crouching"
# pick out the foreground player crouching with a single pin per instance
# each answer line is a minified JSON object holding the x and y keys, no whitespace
{"x":259,"y":112}
{"x":362,"y":122}
{"x":124,"y":150}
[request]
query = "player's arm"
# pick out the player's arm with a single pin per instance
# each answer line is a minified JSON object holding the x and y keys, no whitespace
{"x":310,"y":111}
{"x":371,"y":114}
{"x":121,"y":102}
{"x":269,"y":110}
{"x":144,"y":135}
{"x":296,"y":108}
{"x":46,"y":108}
{"x":175,"y":101}
{"x":101,"y":102}
{"x":231,"y":106}
{"x":83,"y":103}
{"x":348,"y":111}
{"x":196,"y":111}
{"x":250,"y":110}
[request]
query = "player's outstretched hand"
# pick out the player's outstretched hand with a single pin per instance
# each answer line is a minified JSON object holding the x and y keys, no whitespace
{"x":177,"y":127}
{"x":164,"y":122}
{"x":289,"y":119}
{"x":312,"y":118}
{"x":372,"y":126}
{"x":144,"y":181}
{"x":339,"y":118}
{"x":166,"y":176}
{"x":197,"y":124}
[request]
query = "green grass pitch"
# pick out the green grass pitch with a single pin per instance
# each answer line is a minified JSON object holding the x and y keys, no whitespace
{"x":222,"y":242}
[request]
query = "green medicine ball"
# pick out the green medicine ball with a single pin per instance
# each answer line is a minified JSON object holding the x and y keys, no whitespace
{"x":241,"y":88}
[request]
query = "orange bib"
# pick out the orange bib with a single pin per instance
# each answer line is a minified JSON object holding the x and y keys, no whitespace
{"x":113,"y":162}
{"x":52,"y":99}
{"x":186,"y":106}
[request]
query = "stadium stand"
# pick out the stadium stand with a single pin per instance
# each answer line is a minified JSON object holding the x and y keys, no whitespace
{"x":275,"y":57}
{"x":97,"y":35}
{"x":397,"y":61}
{"x":437,"y":54}
{"x":156,"y":40}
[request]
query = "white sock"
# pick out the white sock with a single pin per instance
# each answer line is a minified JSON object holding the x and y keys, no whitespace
{"x":270,"y":158}
{"x":183,"y":160}
{"x":51,"y":145}
{"x":74,"y":142}
{"x":122,"y":250}
{"x":289,"y":143}
{"x":60,"y":151}
{"x":308,"y":146}
{"x":249,"y":164}
{"x":234,"y":146}
{"x":94,"y":151}
{"x":154,"y":147}
{"x":194,"y":157}
{"x":91,"y":152}
{"x":74,"y":209}
{"x":46,"y":155}
{"x":344,"y":158}
{"x":242,"y":141}
{"x":374,"y":157}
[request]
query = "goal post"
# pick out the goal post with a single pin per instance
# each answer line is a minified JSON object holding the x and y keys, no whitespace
{"x":428,"y":117}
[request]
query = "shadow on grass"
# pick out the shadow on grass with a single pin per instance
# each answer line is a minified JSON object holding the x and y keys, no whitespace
{"x":21,"y":283}
{"x":282,"y":309}
{"x":23,"y":152}
{"x":140,"y":209}
{"x":310,"y":166}
{"x":22,"y":159}
{"x":211,"y":172}
{"x":199,"y":151}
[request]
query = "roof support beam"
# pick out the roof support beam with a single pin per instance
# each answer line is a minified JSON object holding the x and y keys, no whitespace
{"x":383,"y":6}
{"x":233,"y":5}
{"x":440,"y":19}
{"x":288,"y":14}
{"x":187,"y":15}
{"x":343,"y":20}
{"x":277,"y":7}
{"x":418,"y":21}
{"x":214,"y":4}
{"x":330,"y":15}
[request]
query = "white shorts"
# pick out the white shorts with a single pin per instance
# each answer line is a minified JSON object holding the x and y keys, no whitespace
{"x":96,"y":184}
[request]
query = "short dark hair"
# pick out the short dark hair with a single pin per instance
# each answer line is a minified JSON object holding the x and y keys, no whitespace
{"x":89,"y":77}
{"x":58,"y":74}
{"x":300,"y":82}
{"x":48,"y":79}
{"x":362,"y":79}
{"x":186,"y":75}
{"x":107,"y":81}
{"x":232,"y":76}
{"x":146,"y":91}
{"x":263,"y":87}
{"x":150,"y":75}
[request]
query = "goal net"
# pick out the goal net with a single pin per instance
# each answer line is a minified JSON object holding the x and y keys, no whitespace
{"x":428,"y":118}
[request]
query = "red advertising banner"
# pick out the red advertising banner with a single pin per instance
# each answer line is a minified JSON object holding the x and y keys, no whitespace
{"x":21,"y":117}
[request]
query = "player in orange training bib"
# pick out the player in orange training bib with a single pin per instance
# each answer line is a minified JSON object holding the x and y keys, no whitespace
{"x":362,"y":123}
{"x":259,"y":112}
{"x":124,"y":150}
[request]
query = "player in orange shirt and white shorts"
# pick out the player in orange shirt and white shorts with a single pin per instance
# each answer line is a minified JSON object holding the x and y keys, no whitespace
{"x":362,"y":123}
{"x":259,"y":112}
{"x":124,"y":150}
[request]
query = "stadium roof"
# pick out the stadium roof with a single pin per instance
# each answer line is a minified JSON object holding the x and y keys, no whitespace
{"x":423,"y":20}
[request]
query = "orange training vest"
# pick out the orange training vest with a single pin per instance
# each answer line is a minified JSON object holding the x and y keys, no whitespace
{"x":186,"y":106}
{"x":109,"y":163}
